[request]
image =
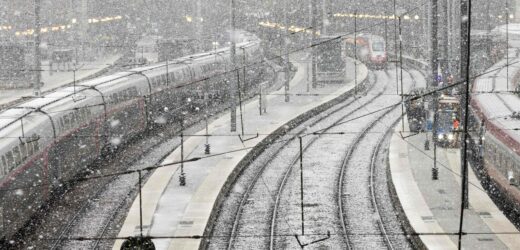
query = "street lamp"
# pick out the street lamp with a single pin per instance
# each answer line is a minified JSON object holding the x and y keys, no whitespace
{"x":182,"y":175}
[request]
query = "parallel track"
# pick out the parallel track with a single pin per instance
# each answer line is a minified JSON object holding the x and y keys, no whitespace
{"x":259,"y":173}
{"x":277,"y":196}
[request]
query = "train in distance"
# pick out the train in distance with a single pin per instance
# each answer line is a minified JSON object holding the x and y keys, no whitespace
{"x":332,"y":52}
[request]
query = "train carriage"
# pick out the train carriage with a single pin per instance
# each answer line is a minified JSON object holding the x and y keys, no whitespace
{"x":47,"y":141}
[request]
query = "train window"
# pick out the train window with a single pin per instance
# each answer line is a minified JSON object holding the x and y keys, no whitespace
{"x":35,"y":143}
{"x":62,"y":126}
{"x":115,"y":98}
{"x":66,"y":121}
{"x":30,"y":149}
{"x":163,"y":77}
{"x":23,"y":150}
{"x":10,"y":160}
{"x":82,"y":115}
{"x":73,"y":118}
{"x":17,"y":155}
{"x":3,"y":167}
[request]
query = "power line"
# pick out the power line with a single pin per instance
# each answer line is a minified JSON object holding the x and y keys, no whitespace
{"x":196,"y":237}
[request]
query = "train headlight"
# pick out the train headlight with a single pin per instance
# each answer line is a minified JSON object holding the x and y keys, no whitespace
{"x":440,"y":136}
{"x":450,"y":137}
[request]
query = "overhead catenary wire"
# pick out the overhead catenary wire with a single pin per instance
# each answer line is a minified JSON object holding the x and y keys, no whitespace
{"x":196,"y":237}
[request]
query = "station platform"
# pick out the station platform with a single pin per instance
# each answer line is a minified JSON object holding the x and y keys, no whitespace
{"x":56,"y":79}
{"x":432,"y":207}
{"x":171,"y":210}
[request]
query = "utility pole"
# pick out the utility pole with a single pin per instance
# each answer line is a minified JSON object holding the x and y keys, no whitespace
{"x":465,"y":10}
{"x":324,"y":19}
{"x":314,"y":30}
{"x":507,"y":45}
{"x":401,"y":68}
{"x":464,"y":45}
{"x":198,"y":22}
{"x":37,"y":54}
{"x":445,"y":31}
{"x":355,"y":52}
{"x":395,"y":50}
{"x":232,"y":85}
{"x":435,"y":43}
{"x":286,"y":50}
{"x":434,"y":82}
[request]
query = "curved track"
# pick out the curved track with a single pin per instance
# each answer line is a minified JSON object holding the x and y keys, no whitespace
{"x":264,"y":205}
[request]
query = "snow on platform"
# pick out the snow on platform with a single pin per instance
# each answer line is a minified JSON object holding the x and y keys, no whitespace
{"x":171,"y":210}
{"x":433,"y":206}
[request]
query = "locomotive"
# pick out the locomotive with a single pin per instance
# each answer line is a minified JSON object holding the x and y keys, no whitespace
{"x":370,"y":49}
{"x":47,"y":141}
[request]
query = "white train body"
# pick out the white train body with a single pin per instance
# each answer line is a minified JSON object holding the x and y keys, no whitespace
{"x":46,"y":142}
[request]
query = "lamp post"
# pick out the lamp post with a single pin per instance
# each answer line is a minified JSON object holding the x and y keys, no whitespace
{"x":37,"y":53}
{"x":355,"y":52}
{"x":232,"y":88}
{"x":286,"y":50}
{"x":182,"y":175}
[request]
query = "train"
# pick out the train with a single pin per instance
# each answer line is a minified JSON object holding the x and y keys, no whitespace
{"x":48,"y":141}
{"x":447,"y":119}
{"x":495,"y":140}
{"x":369,"y":49}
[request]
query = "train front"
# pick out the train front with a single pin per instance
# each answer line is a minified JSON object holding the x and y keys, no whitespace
{"x":378,"y":57}
{"x":446,"y":131}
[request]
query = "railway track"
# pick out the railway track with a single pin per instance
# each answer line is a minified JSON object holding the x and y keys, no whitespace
{"x":285,"y":143}
{"x":273,"y":179}
{"x":67,"y":216}
{"x":361,"y":209}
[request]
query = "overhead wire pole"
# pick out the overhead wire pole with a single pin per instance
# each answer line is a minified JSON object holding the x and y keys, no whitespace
{"x":198,"y":22}
{"x":286,"y":50}
{"x":507,"y":45}
{"x":464,"y":74}
{"x":401,"y":68}
{"x":434,"y":82}
{"x":395,"y":50}
{"x":445,"y":33}
{"x":313,"y":47}
{"x":465,"y":7}
{"x":37,"y":53}
{"x":355,"y":52}
{"x":232,"y":85}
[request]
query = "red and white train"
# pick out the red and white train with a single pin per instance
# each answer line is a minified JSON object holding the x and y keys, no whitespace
{"x":370,"y":49}
{"x":47,"y":141}
{"x":497,"y":133}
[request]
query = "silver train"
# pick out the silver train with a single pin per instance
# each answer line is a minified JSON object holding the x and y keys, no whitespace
{"x":48,"y":141}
